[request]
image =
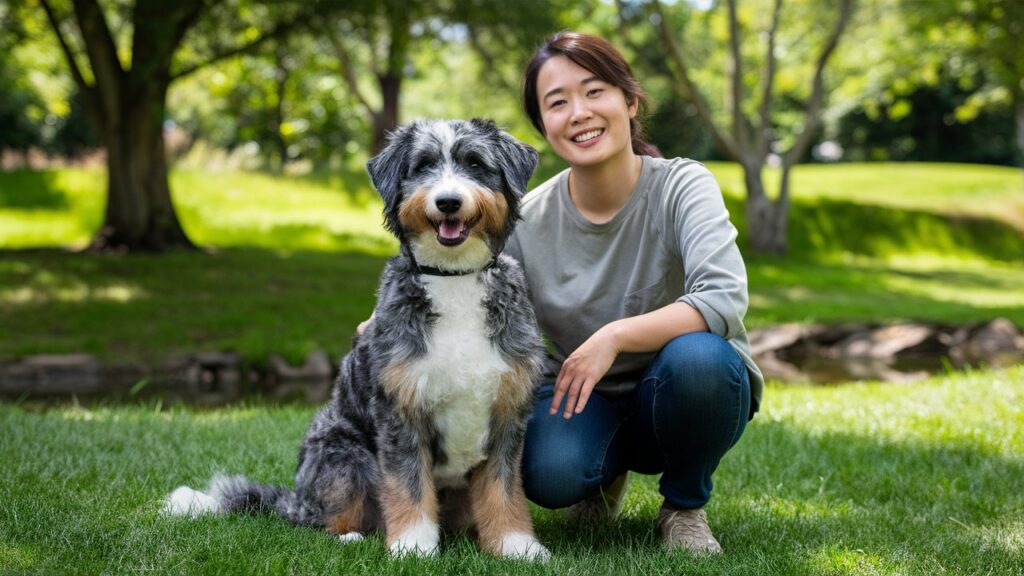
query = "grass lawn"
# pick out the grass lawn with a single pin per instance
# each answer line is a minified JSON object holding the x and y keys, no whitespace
{"x":926,"y":478}
{"x":297,"y":259}
{"x":862,"y":479}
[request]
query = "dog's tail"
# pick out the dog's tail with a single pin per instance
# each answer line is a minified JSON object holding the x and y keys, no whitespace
{"x":230,"y":494}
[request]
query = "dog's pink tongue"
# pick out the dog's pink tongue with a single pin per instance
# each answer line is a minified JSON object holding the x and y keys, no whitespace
{"x":450,"y":229}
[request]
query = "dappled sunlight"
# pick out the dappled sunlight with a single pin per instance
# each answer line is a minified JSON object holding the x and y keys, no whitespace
{"x":19,"y":556}
{"x":70,"y":292}
{"x":942,"y":290}
{"x":929,"y":413}
{"x":838,"y":559}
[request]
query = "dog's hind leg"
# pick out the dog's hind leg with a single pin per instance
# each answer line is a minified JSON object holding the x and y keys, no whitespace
{"x":340,"y":476}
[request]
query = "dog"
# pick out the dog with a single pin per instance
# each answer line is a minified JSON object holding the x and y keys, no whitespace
{"x":427,"y":417}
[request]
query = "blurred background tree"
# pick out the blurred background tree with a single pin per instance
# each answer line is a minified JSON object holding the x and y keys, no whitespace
{"x":316,"y":85}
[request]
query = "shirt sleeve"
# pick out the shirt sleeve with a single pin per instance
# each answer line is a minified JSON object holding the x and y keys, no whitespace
{"x":715,"y":278}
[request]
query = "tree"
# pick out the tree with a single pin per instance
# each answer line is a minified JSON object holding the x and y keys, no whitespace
{"x":123,"y":74}
{"x":994,"y":37}
{"x":384,"y":30}
{"x":752,"y":129}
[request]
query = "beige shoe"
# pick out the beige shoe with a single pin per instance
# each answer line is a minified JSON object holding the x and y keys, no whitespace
{"x":688,"y":530}
{"x":602,"y":507}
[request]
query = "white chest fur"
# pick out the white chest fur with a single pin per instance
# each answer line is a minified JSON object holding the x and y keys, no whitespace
{"x":459,"y":377}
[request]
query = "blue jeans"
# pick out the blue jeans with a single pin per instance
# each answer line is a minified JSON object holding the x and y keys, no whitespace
{"x":691,"y":406}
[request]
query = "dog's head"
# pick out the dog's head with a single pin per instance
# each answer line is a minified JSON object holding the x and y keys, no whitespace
{"x":451,"y":189}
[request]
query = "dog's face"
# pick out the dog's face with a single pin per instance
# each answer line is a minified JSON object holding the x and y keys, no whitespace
{"x":451,"y":189}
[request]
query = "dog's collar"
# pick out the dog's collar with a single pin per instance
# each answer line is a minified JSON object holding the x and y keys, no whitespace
{"x":431,"y":271}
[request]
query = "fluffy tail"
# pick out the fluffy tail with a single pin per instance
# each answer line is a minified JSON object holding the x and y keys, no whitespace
{"x":228,"y":494}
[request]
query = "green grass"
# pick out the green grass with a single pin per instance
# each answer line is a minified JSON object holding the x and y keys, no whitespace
{"x":863,"y":479}
{"x":296,"y":259}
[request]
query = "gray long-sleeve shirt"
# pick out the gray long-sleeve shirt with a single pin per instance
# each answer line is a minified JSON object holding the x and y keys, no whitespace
{"x":671,"y":242}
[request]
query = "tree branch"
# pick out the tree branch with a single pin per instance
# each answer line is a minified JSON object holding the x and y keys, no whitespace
{"x":622,"y":28}
{"x":490,"y":63}
{"x":102,"y":52}
{"x":817,"y":91}
{"x":277,"y":31}
{"x":348,"y":73}
{"x":69,"y":54}
{"x":767,"y":85}
{"x":727,"y":144}
{"x":739,"y":121}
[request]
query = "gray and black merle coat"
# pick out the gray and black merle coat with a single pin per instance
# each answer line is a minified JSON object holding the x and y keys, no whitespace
{"x":426,"y":421}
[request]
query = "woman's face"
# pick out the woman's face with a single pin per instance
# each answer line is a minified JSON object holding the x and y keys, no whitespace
{"x":586,"y":120}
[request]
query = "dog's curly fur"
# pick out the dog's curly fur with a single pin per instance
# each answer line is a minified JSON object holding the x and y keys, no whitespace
{"x":426,"y":421}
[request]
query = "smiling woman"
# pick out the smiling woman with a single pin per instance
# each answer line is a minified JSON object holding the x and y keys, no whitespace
{"x":643,"y":302}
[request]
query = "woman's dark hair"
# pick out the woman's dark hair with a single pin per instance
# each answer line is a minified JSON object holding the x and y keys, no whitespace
{"x":602,"y":59}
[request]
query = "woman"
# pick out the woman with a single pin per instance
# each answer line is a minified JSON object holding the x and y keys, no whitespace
{"x":640,"y":288}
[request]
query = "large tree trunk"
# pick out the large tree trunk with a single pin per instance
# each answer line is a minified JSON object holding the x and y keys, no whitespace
{"x":1019,"y":112}
{"x":387,"y":118}
{"x":766,"y":220}
{"x":139,"y":214}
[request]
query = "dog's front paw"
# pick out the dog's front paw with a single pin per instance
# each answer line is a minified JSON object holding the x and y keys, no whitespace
{"x":524,"y":547}
{"x":420,"y":539}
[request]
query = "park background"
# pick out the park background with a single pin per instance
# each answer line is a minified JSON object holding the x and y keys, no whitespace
{"x":188,"y":240}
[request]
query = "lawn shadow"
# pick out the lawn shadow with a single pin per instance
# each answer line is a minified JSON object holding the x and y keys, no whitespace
{"x":148,"y":307}
{"x":825,"y":227}
{"x":27,"y":189}
{"x":831,"y":292}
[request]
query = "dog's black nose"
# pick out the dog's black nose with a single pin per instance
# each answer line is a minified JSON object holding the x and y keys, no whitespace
{"x":448,"y":203}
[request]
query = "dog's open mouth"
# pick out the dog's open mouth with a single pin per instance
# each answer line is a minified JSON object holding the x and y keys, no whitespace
{"x":452,"y":232}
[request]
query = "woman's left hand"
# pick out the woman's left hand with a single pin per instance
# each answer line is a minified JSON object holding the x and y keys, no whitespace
{"x":582,"y":370}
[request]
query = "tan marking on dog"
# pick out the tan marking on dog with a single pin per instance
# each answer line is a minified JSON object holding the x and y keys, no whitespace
{"x":400,"y":509}
{"x":493,"y":212}
{"x":413,"y":213}
{"x":400,"y":384}
{"x":497,"y":513}
{"x":516,"y":392}
{"x":351,"y":520}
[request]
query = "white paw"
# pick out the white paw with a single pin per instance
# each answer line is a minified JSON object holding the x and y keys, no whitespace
{"x":350,"y":537}
{"x":188,"y":502}
{"x":420,"y":539}
{"x":523,"y":546}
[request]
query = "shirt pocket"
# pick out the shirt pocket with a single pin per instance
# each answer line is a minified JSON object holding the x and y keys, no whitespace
{"x":646,"y":299}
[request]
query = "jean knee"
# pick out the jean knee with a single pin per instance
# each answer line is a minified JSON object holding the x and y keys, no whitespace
{"x":556,"y":479}
{"x":697,"y":367}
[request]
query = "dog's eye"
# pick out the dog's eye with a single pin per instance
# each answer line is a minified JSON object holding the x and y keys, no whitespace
{"x":421,"y":165}
{"x":475,"y":163}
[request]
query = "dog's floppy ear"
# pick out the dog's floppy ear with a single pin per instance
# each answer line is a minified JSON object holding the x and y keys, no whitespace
{"x":389,"y":166}
{"x":387,"y":170}
{"x":517,"y":160}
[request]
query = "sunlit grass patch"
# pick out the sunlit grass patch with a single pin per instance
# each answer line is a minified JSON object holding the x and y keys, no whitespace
{"x":916,"y":479}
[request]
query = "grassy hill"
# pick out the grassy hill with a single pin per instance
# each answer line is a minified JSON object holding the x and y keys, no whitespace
{"x":295,"y":259}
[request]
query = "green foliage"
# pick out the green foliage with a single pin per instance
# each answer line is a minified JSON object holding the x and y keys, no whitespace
{"x":862,"y":479}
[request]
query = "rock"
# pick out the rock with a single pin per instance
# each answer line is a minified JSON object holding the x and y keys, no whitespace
{"x":317,"y":367}
{"x":765,"y":340}
{"x":53,"y":374}
{"x":987,"y":341}
{"x":884,"y":342}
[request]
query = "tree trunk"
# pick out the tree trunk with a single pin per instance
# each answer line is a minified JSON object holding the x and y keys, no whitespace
{"x":766,"y":220}
{"x":387,"y":118}
{"x":139,"y":214}
{"x":1019,"y":112}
